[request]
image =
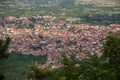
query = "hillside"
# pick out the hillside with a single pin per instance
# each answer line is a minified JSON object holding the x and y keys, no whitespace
{"x":65,"y":1}
{"x":59,"y":8}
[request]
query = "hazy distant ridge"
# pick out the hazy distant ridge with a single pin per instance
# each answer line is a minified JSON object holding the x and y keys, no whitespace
{"x":64,"y":1}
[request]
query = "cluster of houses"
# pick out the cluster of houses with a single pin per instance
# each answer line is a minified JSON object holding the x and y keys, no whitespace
{"x":48,"y":35}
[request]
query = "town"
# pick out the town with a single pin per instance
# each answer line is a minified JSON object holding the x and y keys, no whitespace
{"x":41,"y":35}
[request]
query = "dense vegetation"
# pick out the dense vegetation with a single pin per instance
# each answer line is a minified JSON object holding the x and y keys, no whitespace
{"x":3,"y":48}
{"x":17,"y":65}
{"x":3,"y":53}
{"x":102,"y":19}
{"x":105,"y":67}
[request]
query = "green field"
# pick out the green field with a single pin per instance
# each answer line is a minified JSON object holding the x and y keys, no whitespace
{"x":30,"y":9}
{"x":82,"y":11}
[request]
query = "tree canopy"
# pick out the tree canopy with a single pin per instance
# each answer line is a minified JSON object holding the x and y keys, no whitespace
{"x":3,"y":53}
{"x":3,"y":48}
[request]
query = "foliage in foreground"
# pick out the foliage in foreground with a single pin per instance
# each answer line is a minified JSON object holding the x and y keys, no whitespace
{"x":3,"y":48}
{"x":3,"y":53}
{"x":16,"y":66}
{"x":105,"y":67}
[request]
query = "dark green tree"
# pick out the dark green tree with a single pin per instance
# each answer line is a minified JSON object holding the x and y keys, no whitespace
{"x":70,"y":70}
{"x":3,"y":48}
{"x":111,"y":51}
{"x":3,"y":53}
{"x":38,"y":73}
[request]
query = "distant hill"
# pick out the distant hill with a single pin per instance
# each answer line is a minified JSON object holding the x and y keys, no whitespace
{"x":59,"y":8}
{"x":101,"y":1}
{"x":66,"y":2}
